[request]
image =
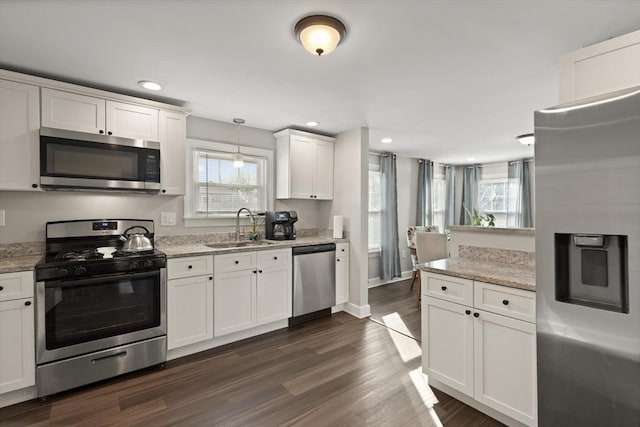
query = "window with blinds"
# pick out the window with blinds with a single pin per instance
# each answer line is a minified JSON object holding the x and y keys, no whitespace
{"x":219,"y":188}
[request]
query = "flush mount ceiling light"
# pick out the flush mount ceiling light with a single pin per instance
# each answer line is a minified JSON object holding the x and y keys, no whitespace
{"x":386,"y":140}
{"x":526,"y":139}
{"x":313,"y":123}
{"x":320,"y":34}
{"x":149,"y":85}
{"x":238,"y":159}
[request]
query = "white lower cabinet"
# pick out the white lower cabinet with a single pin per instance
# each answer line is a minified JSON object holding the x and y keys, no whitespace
{"x":190,"y":311}
{"x":251,"y":289}
{"x":17,"y":332}
{"x":342,"y":273}
{"x":234,"y":301}
{"x":488,"y":356}
{"x":189,"y":300}
{"x":505,"y":365}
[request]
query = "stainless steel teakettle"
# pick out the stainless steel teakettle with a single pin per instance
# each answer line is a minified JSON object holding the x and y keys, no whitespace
{"x":136,"y":242}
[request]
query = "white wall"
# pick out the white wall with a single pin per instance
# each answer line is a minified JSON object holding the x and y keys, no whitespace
{"x":351,"y":199}
{"x":27,"y":212}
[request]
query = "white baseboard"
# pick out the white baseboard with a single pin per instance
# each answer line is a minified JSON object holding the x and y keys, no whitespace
{"x":17,"y":396}
{"x":377,"y":281}
{"x":359,"y":311}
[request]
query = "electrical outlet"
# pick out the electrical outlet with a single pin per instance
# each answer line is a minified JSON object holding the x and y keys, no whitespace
{"x":403,"y":253}
{"x":2,"y":218}
{"x":168,"y":218}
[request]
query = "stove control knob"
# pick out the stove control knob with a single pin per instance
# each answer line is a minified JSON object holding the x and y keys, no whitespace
{"x":133,"y":265}
{"x":61,"y":272}
{"x":148,"y":263}
{"x":80,"y":271}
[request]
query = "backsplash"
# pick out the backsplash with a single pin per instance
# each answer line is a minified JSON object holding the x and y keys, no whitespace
{"x":37,"y":248}
{"x":505,"y":256}
{"x":21,"y":249}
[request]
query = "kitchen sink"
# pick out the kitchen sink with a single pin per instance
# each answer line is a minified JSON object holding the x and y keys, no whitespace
{"x":241,"y":244}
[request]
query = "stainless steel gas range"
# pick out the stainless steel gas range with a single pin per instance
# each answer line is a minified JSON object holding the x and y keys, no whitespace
{"x":101,"y":311}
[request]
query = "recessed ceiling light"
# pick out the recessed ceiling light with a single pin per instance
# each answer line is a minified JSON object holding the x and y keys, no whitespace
{"x":470,"y":159}
{"x":149,"y":85}
{"x":386,"y":140}
{"x":312,"y":123}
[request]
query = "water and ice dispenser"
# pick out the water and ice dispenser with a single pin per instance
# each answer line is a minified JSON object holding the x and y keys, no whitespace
{"x":591,"y":270}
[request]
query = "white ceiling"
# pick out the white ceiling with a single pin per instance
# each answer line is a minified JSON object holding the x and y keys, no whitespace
{"x":447,"y":80}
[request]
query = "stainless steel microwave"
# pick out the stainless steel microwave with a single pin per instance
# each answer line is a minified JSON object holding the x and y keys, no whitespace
{"x":76,"y":160}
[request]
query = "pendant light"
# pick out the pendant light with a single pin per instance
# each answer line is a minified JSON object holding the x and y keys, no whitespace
{"x":238,"y":159}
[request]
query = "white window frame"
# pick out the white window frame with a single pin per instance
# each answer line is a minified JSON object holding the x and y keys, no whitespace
{"x":495,"y":173}
{"x":374,"y":167}
{"x":191,"y":218}
{"x":439,"y":180}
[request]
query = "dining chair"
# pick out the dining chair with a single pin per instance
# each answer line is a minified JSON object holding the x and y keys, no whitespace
{"x":429,"y":247}
{"x":411,"y":243}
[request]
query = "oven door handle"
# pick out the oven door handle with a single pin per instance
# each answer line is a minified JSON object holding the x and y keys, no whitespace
{"x":100,"y":279}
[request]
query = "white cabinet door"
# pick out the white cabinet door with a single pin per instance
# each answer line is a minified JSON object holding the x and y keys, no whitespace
{"x":323,"y":170}
{"x":505,"y":365}
{"x":189,"y":311}
{"x":301,"y":166}
{"x":601,"y":68}
{"x":19,"y":137}
{"x":65,"y":110}
{"x":132,"y":121}
{"x":342,"y":279}
{"x":173,"y":150}
{"x":17,"y":336}
{"x":273,"y":294}
{"x":447,"y":343}
{"x":234,"y":303}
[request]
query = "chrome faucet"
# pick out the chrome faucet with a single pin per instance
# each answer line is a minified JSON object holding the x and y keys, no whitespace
{"x":238,"y":221}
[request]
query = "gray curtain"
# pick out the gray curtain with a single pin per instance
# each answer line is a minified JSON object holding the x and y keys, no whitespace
{"x":424,"y":213}
{"x":389,"y":250}
{"x":449,"y":202}
{"x":519,"y":208}
{"x":469,"y":192}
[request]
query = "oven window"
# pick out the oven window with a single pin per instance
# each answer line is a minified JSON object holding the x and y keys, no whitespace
{"x":96,"y":309}
{"x":95,"y":161}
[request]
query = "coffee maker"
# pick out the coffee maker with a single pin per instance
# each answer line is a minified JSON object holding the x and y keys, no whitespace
{"x":279,"y":225}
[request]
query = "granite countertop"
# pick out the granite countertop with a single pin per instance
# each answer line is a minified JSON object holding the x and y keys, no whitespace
{"x":496,"y":230}
{"x":176,"y":251}
{"x":19,"y":263}
{"x":512,"y":275}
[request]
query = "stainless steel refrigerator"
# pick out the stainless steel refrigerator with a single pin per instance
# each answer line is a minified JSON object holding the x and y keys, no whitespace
{"x":588,"y":261}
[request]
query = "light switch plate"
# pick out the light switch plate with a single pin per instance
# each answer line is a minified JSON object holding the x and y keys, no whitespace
{"x":168,"y":218}
{"x":2,"y":218}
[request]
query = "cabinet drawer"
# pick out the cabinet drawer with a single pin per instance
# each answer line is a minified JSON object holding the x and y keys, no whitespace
{"x":234,"y":262}
{"x":512,"y":302}
{"x":448,"y":288}
{"x":190,"y":266}
{"x":16,"y":285}
{"x":273,"y":258}
{"x":342,"y":250}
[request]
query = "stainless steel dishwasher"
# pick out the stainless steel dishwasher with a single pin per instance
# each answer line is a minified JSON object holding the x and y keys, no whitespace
{"x":314,"y":281}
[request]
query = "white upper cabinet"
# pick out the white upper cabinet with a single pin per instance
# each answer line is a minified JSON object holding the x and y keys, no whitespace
{"x":304,"y":165}
{"x":81,"y":113}
{"x":19,"y":137}
{"x":173,"y":136}
{"x":600,"y":68}
{"x":65,"y":110}
{"x":132,"y":121}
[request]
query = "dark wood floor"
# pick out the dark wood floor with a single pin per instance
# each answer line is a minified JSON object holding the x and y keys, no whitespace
{"x":394,"y":305}
{"x":332,"y":371}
